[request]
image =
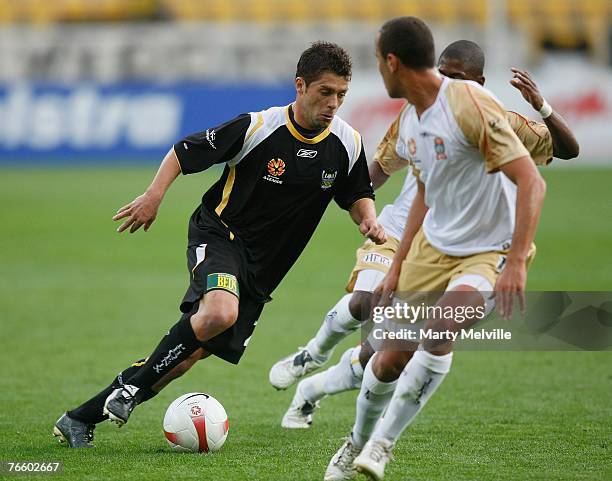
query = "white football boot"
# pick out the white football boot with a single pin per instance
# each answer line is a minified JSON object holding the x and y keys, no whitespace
{"x":300,"y":412}
{"x":293,"y":367}
{"x":373,"y":458}
{"x":341,"y":467}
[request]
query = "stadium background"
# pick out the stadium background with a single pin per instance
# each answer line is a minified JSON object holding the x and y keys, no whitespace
{"x":92,"y":93}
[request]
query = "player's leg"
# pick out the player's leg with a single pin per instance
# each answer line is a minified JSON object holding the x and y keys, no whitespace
{"x":76,"y":427}
{"x":424,"y":270}
{"x":345,"y":317}
{"x":346,"y":375}
{"x":420,"y":379}
{"x":216,"y":312}
{"x":372,"y":400}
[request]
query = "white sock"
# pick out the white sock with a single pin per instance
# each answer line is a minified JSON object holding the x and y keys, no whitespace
{"x":345,"y":375}
{"x":338,"y":323}
{"x":419,"y":380}
{"x":371,"y":402}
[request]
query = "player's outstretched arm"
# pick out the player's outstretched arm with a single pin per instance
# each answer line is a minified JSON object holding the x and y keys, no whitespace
{"x":565,"y":145}
{"x":531,"y":190}
{"x":377,"y":174}
{"x":142,"y":211}
{"x":385,"y":290}
{"x":363,"y":214}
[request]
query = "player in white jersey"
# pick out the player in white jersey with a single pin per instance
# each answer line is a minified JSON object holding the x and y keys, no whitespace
{"x":464,"y":60}
{"x":470,"y":231}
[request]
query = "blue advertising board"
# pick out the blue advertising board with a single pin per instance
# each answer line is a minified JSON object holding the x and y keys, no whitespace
{"x":83,"y":123}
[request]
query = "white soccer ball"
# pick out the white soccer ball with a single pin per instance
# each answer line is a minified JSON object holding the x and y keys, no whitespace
{"x":196,"y":423}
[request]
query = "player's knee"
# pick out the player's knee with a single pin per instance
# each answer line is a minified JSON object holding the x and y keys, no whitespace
{"x":360,"y":305}
{"x":443,"y":325}
{"x":388,"y":366}
{"x":365,"y":354}
{"x":213,"y":318}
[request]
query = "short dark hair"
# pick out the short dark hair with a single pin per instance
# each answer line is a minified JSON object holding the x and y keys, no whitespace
{"x":468,"y":53}
{"x":409,"y":39}
{"x":323,"y":57}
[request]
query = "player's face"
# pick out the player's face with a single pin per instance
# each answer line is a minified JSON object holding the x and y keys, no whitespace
{"x":453,"y":68}
{"x":320,"y":99}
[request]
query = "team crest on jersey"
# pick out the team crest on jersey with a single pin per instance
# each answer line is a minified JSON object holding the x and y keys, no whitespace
{"x":440,"y":148}
{"x":327,"y":178}
{"x":412,"y":146}
{"x":276,"y":167}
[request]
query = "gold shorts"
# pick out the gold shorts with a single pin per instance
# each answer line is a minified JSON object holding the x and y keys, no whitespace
{"x":426,"y":269}
{"x":373,"y":256}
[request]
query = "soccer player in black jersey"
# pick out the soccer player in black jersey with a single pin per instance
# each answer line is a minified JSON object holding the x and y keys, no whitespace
{"x":283,"y":166}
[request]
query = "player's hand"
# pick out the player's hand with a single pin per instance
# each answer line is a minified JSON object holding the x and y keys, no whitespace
{"x":524,"y":83}
{"x":371,"y":229}
{"x":384,"y":292}
{"x":511,"y":285}
{"x":142,"y":211}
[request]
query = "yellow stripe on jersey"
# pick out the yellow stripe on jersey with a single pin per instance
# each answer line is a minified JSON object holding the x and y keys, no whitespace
{"x":535,"y":136}
{"x":385,"y":154}
{"x":227,"y":190}
{"x":258,"y":124}
{"x":357,"y":144}
{"x":300,"y":137}
{"x":484,"y":123}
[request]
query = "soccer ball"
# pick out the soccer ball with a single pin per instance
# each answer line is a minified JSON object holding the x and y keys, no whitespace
{"x":196,"y":423}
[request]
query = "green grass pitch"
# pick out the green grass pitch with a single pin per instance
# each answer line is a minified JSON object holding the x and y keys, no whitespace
{"x":78,"y":302}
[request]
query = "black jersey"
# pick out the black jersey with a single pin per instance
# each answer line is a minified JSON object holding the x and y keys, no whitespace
{"x":276,"y":184}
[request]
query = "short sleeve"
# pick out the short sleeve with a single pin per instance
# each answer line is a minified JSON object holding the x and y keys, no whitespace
{"x":199,"y":151}
{"x":386,"y":154}
{"x":485,"y":125}
{"x":357,"y":185}
{"x":535,"y":136}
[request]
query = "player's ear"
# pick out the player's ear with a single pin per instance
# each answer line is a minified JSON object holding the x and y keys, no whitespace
{"x":481,"y":80}
{"x":300,"y":85}
{"x":392,"y":62}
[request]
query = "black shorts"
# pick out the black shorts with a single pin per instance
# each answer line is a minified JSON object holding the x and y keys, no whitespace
{"x":216,"y":262}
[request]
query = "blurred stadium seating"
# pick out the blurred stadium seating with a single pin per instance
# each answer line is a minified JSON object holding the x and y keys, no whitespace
{"x":581,"y":24}
{"x":73,"y":56}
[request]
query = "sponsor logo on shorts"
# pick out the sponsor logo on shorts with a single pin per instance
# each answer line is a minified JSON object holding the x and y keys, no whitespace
{"x":309,"y":154}
{"x":226,"y":282}
{"x":327,"y":178}
{"x":374,"y":258}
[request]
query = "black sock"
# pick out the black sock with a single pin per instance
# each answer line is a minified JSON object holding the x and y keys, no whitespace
{"x":174,"y":348}
{"x":90,"y":411}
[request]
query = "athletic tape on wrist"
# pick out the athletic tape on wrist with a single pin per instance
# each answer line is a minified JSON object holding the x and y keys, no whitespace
{"x":546,"y":110}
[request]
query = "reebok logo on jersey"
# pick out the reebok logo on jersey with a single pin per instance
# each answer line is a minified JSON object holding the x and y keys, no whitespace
{"x":309,"y":154}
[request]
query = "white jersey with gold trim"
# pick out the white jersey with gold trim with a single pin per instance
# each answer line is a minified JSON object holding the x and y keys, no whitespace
{"x":456,"y":148}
